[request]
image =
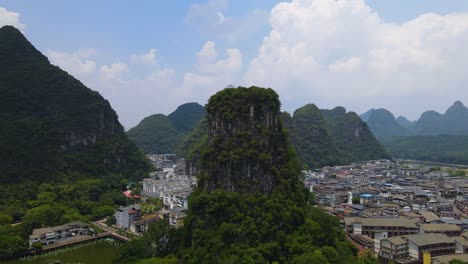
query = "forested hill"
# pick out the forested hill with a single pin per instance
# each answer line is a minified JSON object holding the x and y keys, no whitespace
{"x":311,"y":137}
{"x":331,"y":137}
{"x":161,"y":134}
{"x":352,"y":136}
{"x":320,"y":138}
{"x":64,"y":155}
{"x":250,"y":205}
{"x":50,"y":123}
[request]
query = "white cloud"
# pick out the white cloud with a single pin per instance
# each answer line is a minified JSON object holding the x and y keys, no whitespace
{"x":210,"y":19}
{"x":221,"y":18}
{"x":10,"y":18}
{"x":77,"y":63}
{"x":113,"y":71}
{"x":208,"y":53}
{"x":342,"y":52}
{"x":149,"y":58}
{"x":207,"y":62}
{"x":210,"y":74}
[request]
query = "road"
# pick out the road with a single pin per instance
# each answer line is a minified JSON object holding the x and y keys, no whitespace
{"x":112,"y":231}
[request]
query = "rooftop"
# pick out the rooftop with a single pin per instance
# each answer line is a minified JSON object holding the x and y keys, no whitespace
{"x":440,"y":228}
{"x":429,"y":239}
{"x":382,"y":221}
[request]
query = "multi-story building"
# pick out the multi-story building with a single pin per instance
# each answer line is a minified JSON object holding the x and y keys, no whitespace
{"x":435,"y":243}
{"x":394,"y":248}
{"x":380,"y":227}
{"x":53,"y":235}
{"x":126,"y":216}
{"x":447,"y":229}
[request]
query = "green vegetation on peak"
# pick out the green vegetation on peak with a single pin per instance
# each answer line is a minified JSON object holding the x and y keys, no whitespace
{"x":187,"y":116}
{"x":311,"y":138}
{"x":161,"y":134}
{"x":250,"y":205}
{"x":352,"y":137}
{"x":331,"y":137}
{"x":65,"y":156}
{"x":155,"y":134}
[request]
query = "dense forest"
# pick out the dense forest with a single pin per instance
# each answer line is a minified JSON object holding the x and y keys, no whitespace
{"x":232,"y":222}
{"x":64,"y":154}
{"x":443,"y":148}
{"x":161,"y":134}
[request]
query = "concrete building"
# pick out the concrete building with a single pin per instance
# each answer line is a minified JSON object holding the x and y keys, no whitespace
{"x":126,"y":216}
{"x":380,"y":227}
{"x":435,"y":243}
{"x":448,"y":229}
{"x":394,"y":248}
{"x":52,"y":235}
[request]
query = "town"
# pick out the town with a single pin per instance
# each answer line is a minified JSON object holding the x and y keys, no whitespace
{"x":400,"y":212}
{"x":403,"y":213}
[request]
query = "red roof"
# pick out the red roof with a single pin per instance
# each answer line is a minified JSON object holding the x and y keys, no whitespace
{"x":129,"y":195}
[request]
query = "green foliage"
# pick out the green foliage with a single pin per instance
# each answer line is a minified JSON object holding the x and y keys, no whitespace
{"x":457,"y":261}
{"x":249,"y":225}
{"x":311,"y":138}
{"x":64,"y":153}
{"x":331,"y":137}
{"x":192,"y":145}
{"x":161,"y":134}
{"x":442,"y":148}
{"x":368,"y":258}
{"x":352,"y":137}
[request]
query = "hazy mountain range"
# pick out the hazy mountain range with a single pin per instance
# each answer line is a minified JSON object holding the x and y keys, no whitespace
{"x":384,"y":124}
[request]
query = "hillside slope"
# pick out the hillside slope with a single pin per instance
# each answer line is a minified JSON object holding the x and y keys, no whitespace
{"x":161,"y":134}
{"x":51,"y":123}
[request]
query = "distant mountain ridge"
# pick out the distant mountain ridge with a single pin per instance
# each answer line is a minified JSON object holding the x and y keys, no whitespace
{"x":161,"y":134}
{"x":320,"y":137}
{"x":431,"y":123}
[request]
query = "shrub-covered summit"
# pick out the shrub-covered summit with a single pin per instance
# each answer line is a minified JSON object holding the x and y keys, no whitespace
{"x":250,"y":205}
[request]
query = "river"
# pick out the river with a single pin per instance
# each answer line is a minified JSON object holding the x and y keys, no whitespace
{"x":96,"y":252}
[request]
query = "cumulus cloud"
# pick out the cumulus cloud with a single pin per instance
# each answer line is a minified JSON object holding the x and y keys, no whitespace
{"x":211,"y":73}
{"x":77,"y":63}
{"x":207,"y":62}
{"x":10,"y":18}
{"x":113,"y":71}
{"x":342,"y":52}
{"x":149,"y":58}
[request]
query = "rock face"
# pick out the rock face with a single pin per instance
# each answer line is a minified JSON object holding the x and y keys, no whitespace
{"x":244,"y":139}
{"x":50,"y":122}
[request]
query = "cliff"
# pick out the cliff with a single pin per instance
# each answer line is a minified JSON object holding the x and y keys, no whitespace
{"x":250,"y":205}
{"x":244,"y":141}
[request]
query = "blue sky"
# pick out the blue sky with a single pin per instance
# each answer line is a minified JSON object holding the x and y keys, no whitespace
{"x":148,"y":57}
